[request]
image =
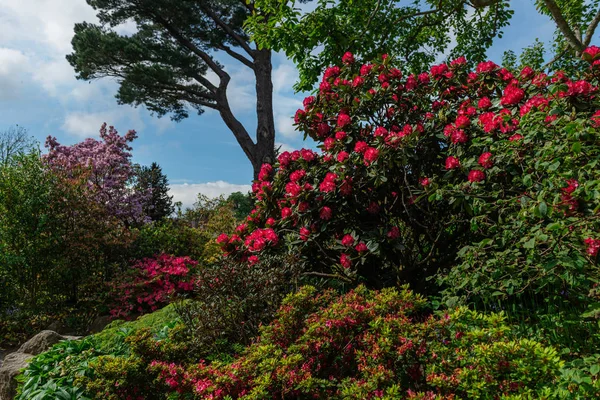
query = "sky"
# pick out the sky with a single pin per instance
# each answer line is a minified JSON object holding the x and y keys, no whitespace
{"x":38,"y":91}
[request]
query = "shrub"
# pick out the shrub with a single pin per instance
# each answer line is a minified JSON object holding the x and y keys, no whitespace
{"x":374,"y":344}
{"x":485,"y":179}
{"x":63,"y":371}
{"x":152,"y":283}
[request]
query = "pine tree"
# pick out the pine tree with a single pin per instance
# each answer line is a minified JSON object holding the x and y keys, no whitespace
{"x":159,"y":204}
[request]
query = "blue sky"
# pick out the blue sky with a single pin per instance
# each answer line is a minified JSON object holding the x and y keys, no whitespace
{"x":38,"y":91}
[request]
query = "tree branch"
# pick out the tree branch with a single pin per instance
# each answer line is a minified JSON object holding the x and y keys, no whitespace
{"x":240,"y":40}
{"x":237,"y":56}
{"x":563,"y":25}
{"x":192,"y":47}
{"x":204,"y":82}
{"x":591,"y":29}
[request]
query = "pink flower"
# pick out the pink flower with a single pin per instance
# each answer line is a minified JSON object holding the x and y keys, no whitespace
{"x":343,"y":120}
{"x":325,"y":213}
{"x":297,"y":175}
{"x":515,"y":137}
{"x":487,"y":66}
{"x":596,"y":119}
{"x":484,"y":103}
{"x":329,"y":143}
{"x":452,"y":162}
{"x":223,"y":238}
{"x":345,"y":261}
{"x":252,"y":259}
{"x":269,"y":222}
{"x":366,"y":69}
{"x":591,"y":53}
{"x":348,"y":58}
{"x":341,"y":135}
{"x":361,"y":247}
{"x":361,"y":147}
{"x":328,"y":184}
{"x":394,"y":233}
{"x":309,"y":101}
{"x":380,"y":131}
{"x":527,"y":73}
{"x":286,"y":212}
{"x":458,"y":136}
{"x":512,"y":95}
{"x":348,"y":240}
{"x":462,"y":121}
{"x":371,"y":155}
{"x":485,"y":160}
{"x":424,"y":181}
{"x":476,"y":175}
{"x":304,"y":233}
{"x":342,"y":156}
{"x":593,"y":245}
{"x":307,"y":155}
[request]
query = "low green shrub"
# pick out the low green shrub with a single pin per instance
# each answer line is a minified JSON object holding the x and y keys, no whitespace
{"x":61,"y":372}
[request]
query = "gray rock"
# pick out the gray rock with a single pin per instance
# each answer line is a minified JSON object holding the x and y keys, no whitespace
{"x":100,"y":323}
{"x":40,"y":342}
{"x":13,"y":364}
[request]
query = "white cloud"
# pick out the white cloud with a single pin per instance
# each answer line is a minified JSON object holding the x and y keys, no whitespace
{"x":187,"y":193}
{"x":87,"y":124}
{"x":284,"y":77}
{"x":284,"y":126}
{"x":13,"y":67}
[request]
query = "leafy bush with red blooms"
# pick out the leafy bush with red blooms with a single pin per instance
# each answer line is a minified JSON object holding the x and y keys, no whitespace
{"x":485,"y":178}
{"x":369,"y":345}
{"x":152,"y":283}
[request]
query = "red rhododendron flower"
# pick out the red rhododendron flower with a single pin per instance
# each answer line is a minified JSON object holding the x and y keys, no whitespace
{"x":460,"y":61}
{"x":572,"y":185}
{"x":485,"y":160}
{"x":515,"y":137}
{"x":299,"y":116}
{"x":424,"y":181}
{"x":458,"y":136}
{"x":596,"y":119}
{"x":323,"y":129}
{"x":328,"y":184}
{"x":361,"y":147}
{"x":253,"y":259}
{"x":452,"y":162}
{"x":486,"y":66}
{"x":580,"y":88}
{"x":342,"y":156}
{"x":380,"y":131}
{"x":304,"y":233}
{"x":343,"y":120}
{"x":345,"y":261}
{"x":527,"y":73}
{"x":307,"y":155}
{"x":371,"y":155}
{"x":293,"y":189}
{"x":309,"y":101}
{"x":341,"y":135}
{"x":593,"y":245}
{"x":269,"y":222}
{"x":348,"y":58}
{"x":394,"y":233}
{"x":297,"y":175}
{"x":348,"y":240}
{"x":325,"y":213}
{"x":284,"y":159}
{"x":361,"y":247}
{"x":484,"y":103}
{"x":462,"y":121}
{"x":222,"y":238}
{"x":591,"y":53}
{"x":512,"y":95}
{"x":476,"y":176}
{"x":286,"y":212}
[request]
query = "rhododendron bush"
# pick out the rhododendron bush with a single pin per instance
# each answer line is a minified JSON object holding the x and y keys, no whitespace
{"x":368,"y":345}
{"x":152,"y":283}
{"x":487,"y":179}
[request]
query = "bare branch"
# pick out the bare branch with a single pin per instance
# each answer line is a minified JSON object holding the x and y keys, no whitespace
{"x":563,"y":25}
{"x":237,"y":56}
{"x":591,"y":29}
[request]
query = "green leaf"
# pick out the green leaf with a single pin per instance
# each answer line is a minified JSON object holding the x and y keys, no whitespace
{"x":543,"y":208}
{"x":530,"y":244}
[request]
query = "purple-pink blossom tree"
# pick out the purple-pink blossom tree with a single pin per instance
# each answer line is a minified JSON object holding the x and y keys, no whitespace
{"x":108,"y":162}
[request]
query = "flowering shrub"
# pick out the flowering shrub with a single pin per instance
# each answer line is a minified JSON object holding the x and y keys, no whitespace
{"x":110,"y":171}
{"x":151,"y":283}
{"x":369,"y":344}
{"x":486,"y":178}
